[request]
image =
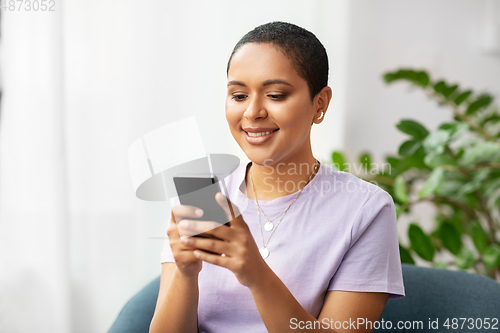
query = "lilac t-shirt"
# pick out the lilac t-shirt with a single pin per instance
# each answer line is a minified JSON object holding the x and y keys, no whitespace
{"x":339,"y":234}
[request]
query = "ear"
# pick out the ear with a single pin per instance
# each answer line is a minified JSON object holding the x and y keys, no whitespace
{"x":322,"y":100}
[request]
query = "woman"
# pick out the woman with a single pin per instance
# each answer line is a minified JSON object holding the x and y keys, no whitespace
{"x":313,"y":248}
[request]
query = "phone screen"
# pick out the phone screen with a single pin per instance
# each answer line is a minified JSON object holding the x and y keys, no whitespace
{"x":200,"y":192}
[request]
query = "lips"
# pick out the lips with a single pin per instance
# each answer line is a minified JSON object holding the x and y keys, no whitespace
{"x":257,"y":140}
{"x":259,"y":129}
{"x":257,"y":134}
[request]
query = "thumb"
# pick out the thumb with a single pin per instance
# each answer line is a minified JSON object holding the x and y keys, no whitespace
{"x":231,"y":210}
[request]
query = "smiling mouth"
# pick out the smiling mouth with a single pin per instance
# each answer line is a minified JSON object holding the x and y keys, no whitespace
{"x":255,"y":135}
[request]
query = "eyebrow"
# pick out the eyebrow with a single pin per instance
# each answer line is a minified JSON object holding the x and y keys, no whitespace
{"x":265,"y":83}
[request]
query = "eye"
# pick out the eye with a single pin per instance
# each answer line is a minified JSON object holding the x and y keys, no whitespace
{"x":277,"y":97}
{"x":238,"y":97}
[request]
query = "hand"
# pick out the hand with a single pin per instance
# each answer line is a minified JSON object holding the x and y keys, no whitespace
{"x":232,"y":247}
{"x":185,"y":260}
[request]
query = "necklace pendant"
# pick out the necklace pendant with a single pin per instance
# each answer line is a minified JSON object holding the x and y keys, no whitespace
{"x":268,"y":226}
{"x":264,"y":252}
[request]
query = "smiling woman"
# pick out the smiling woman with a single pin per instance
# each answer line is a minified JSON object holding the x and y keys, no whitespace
{"x":270,"y":95}
{"x":335,"y":257}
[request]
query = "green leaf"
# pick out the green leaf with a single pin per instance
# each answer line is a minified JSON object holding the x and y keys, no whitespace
{"x":420,"y":242}
{"x":496,"y":204}
{"x":440,"y":265}
{"x":462,"y":97}
{"x":481,"y":153}
{"x":390,"y":77}
{"x":478,"y":237}
{"x":398,"y":210}
{"x":471,"y":200}
{"x":456,"y":130}
{"x":449,"y":90}
{"x":465,"y":259}
{"x":493,"y":118}
{"x":481,"y":102}
{"x":435,"y":161}
{"x":400,"y":189}
{"x":492,"y":186}
{"x":439,"y":87}
{"x":393,"y":161}
{"x":412,"y":128}
{"x":434,"y":143}
{"x":469,"y":188}
{"x":409,"y":147}
{"x":492,"y":193}
{"x":405,"y":256}
{"x":414,"y":161}
{"x":338,"y":161}
{"x":450,"y":237}
{"x":420,"y":78}
{"x":449,"y":188}
{"x":365,"y":161}
{"x":432,"y":183}
{"x":491,"y":256}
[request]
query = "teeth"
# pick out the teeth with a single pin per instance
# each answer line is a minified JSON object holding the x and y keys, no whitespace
{"x":260,"y":134}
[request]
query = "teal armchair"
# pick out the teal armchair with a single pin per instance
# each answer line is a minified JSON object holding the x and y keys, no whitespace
{"x":432,"y":296}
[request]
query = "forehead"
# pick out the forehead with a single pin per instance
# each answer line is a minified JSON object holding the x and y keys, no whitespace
{"x":261,"y":61}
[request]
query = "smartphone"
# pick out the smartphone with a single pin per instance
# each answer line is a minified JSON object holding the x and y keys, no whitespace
{"x":199,"y":191}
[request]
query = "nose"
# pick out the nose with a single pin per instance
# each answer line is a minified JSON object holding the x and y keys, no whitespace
{"x":255,"y":109}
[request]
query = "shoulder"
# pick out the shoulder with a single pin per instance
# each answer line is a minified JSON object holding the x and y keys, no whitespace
{"x":349,"y":187}
{"x":359,"y":201}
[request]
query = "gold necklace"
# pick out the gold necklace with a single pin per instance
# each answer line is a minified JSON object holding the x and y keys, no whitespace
{"x":264,"y":251}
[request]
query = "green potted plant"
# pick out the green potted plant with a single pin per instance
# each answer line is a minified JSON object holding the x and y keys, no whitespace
{"x":456,"y":168}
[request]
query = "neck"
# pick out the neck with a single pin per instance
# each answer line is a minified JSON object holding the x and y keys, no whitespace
{"x":272,"y":181}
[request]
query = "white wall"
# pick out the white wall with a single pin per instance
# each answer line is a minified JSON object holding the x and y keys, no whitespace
{"x":443,"y":37}
{"x":131,"y":68}
{"x":128,"y":67}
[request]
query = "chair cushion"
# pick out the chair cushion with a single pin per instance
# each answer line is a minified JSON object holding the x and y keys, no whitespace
{"x":441,"y":294}
{"x":431,"y":294}
{"x":136,"y":315}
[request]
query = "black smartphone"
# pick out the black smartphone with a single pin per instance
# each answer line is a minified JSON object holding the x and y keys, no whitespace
{"x":199,"y":191}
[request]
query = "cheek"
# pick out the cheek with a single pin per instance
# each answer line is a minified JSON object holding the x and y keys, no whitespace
{"x":232,"y":117}
{"x":234,"y":111}
{"x":296,"y":115}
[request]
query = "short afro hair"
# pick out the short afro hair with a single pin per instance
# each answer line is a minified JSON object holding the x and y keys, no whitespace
{"x":301,"y":46}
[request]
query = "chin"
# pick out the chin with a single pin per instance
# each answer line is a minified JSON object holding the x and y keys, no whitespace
{"x":260,"y":160}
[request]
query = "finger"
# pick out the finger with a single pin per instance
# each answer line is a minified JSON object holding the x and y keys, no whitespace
{"x":191,"y":228}
{"x":186,"y":257}
{"x":231,"y":209}
{"x":215,"y":259}
{"x":212,"y":245}
{"x":172,"y":230}
{"x":181,"y":211}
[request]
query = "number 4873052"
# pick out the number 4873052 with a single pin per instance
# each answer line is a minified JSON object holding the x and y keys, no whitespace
{"x":28,"y":5}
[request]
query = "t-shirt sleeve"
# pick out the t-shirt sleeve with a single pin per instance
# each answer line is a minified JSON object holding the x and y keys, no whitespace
{"x":372,"y":262}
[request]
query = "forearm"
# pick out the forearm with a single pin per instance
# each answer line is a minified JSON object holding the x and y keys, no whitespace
{"x":178,"y":312}
{"x":277,"y":306}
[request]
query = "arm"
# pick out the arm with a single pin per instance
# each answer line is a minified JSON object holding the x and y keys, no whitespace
{"x":275,"y":303}
{"x":177,"y":304}
{"x":277,"y":307}
{"x":176,"y":307}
